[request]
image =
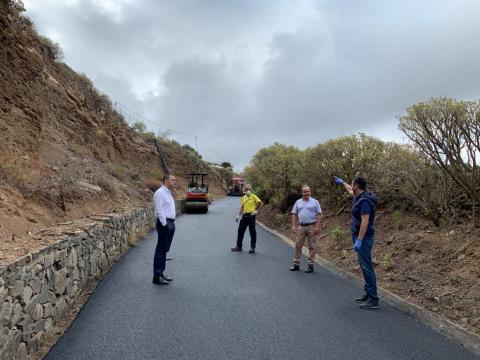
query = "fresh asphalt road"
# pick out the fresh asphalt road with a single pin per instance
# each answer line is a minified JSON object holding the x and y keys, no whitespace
{"x":224,"y":305}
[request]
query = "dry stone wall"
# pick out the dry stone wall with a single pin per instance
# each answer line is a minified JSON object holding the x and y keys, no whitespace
{"x":38,"y":290}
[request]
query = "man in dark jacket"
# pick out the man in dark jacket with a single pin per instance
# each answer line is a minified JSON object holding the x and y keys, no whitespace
{"x":364,"y":206}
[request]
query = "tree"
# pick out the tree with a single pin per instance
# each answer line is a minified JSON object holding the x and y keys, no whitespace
{"x":226,"y":165}
{"x":448,"y":131}
{"x":275,"y":173}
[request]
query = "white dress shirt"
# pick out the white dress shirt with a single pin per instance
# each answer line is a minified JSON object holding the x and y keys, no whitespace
{"x":164,"y":205}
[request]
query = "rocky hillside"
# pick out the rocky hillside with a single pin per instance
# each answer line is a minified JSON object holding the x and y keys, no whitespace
{"x":64,"y":152}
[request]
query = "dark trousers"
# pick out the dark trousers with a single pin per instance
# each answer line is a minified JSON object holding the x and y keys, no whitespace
{"x":165,"y":236}
{"x":247,"y":221}
{"x":364,"y":256}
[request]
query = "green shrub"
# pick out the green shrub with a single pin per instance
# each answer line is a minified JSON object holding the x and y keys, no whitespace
{"x":337,"y":233}
{"x":388,"y":262}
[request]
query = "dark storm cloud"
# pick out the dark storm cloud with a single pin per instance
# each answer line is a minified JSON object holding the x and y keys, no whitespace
{"x":242,"y":75}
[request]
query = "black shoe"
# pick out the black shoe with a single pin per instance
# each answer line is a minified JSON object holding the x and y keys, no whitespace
{"x":362,"y":299}
{"x":251,"y":251}
{"x":165,"y":277}
{"x":295,"y":268}
{"x":309,"y":269}
{"x":158,"y":280}
{"x":370,"y":305}
{"x":236,"y":248}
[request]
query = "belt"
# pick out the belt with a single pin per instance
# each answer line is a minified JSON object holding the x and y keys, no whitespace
{"x":168,"y":219}
{"x":248,"y":214}
{"x":308,"y":224}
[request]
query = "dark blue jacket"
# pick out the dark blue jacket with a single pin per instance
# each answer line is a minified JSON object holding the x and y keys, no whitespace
{"x":365,"y":203}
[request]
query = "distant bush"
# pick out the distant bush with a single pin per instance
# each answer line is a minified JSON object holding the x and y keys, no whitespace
{"x":50,"y":49}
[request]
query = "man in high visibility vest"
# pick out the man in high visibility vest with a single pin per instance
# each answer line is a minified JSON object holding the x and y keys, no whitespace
{"x":250,"y":204}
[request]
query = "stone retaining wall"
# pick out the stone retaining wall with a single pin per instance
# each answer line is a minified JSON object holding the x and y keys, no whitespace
{"x":37,"y":290}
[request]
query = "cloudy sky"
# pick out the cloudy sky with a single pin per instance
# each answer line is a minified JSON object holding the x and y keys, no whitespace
{"x":241,"y":75}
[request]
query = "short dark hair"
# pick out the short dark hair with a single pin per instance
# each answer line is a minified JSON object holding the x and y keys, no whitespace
{"x":166,"y":177}
{"x":360,"y":182}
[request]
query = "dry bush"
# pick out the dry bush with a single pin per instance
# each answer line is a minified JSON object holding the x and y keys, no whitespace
{"x":118,"y":171}
{"x":106,"y":184}
{"x":50,"y":49}
{"x":152,"y":184}
{"x":37,"y":176}
{"x":11,"y":167}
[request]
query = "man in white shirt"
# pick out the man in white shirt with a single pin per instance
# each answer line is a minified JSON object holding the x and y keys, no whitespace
{"x":306,"y":214}
{"x":164,"y":208}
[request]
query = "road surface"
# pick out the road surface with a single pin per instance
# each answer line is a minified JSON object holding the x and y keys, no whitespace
{"x":224,"y":305}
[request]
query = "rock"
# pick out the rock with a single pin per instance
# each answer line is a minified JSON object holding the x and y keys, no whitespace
{"x":60,"y":309}
{"x":3,"y":294}
{"x":21,"y":352}
{"x":59,"y":282}
{"x":75,"y":274}
{"x":37,"y":341}
{"x":48,"y":310}
{"x":48,"y":324}
{"x":3,"y":337}
{"x":27,"y":294}
{"x":88,"y":186}
{"x":39,"y":326}
{"x":6,"y":313}
{"x":17,"y":314}
{"x":38,"y":313}
{"x":461,"y":257}
{"x":49,"y":259}
{"x":36,"y":284}
{"x":16,"y":289}
{"x":72,"y":259}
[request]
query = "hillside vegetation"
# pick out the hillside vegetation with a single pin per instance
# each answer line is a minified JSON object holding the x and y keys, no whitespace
{"x":428,"y":234}
{"x":64,"y":152}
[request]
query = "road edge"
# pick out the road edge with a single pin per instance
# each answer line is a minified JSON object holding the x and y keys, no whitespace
{"x":436,"y":322}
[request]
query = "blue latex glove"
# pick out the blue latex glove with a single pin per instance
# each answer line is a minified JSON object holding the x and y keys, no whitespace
{"x":358,"y":245}
{"x":338,"y":181}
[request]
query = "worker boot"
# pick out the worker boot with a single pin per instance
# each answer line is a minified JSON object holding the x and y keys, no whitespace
{"x":309,"y":269}
{"x":295,"y":267}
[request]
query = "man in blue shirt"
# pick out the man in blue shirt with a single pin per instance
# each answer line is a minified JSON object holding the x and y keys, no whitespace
{"x":306,"y":215}
{"x":364,"y":206}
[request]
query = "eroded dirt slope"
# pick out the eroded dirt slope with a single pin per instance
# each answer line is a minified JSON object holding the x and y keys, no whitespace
{"x":64,"y":152}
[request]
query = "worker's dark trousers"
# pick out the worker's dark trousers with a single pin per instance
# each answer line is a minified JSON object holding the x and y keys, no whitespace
{"x":165,"y":236}
{"x":247,"y":221}
{"x":364,"y":256}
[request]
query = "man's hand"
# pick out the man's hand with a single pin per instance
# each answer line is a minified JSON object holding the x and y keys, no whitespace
{"x":294,"y":229}
{"x":255,"y":212}
{"x":358,"y":245}
{"x":164,"y":223}
{"x":237,"y":218}
{"x":316,"y":230}
{"x":338,"y":181}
